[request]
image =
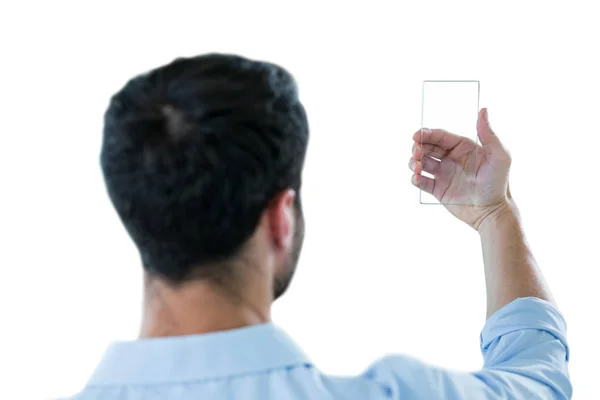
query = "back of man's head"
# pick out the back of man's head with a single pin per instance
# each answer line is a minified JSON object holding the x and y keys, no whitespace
{"x":194,"y":152}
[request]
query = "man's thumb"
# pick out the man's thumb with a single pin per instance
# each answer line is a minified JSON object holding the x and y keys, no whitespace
{"x":488,"y":138}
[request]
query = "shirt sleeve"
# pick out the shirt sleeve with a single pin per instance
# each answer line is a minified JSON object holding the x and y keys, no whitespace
{"x":525,"y":356}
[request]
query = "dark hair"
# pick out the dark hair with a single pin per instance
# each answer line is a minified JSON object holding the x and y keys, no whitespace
{"x":194,"y":151}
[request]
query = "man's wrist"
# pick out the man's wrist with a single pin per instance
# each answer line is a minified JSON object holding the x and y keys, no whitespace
{"x":498,"y":216}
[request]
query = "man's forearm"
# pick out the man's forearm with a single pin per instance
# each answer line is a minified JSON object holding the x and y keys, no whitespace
{"x":510,"y":268}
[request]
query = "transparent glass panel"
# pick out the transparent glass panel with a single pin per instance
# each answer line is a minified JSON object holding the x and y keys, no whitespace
{"x":452,"y":106}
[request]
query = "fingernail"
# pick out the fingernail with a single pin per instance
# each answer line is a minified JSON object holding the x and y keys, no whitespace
{"x":485,"y":115}
{"x":426,"y":130}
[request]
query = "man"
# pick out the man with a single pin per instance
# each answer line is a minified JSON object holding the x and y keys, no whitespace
{"x":203,"y":160}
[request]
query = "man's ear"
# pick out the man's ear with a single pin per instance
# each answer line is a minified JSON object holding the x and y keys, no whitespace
{"x":282,"y":219}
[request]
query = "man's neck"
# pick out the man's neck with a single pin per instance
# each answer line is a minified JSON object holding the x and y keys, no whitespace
{"x":196,"y":308}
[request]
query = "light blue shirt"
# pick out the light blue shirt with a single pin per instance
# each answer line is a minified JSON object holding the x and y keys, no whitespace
{"x":524,"y":350}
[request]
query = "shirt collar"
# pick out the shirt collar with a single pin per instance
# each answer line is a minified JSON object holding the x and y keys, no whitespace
{"x":197,"y":357}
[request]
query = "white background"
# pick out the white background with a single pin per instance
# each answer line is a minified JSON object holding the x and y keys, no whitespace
{"x":380,"y":273}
